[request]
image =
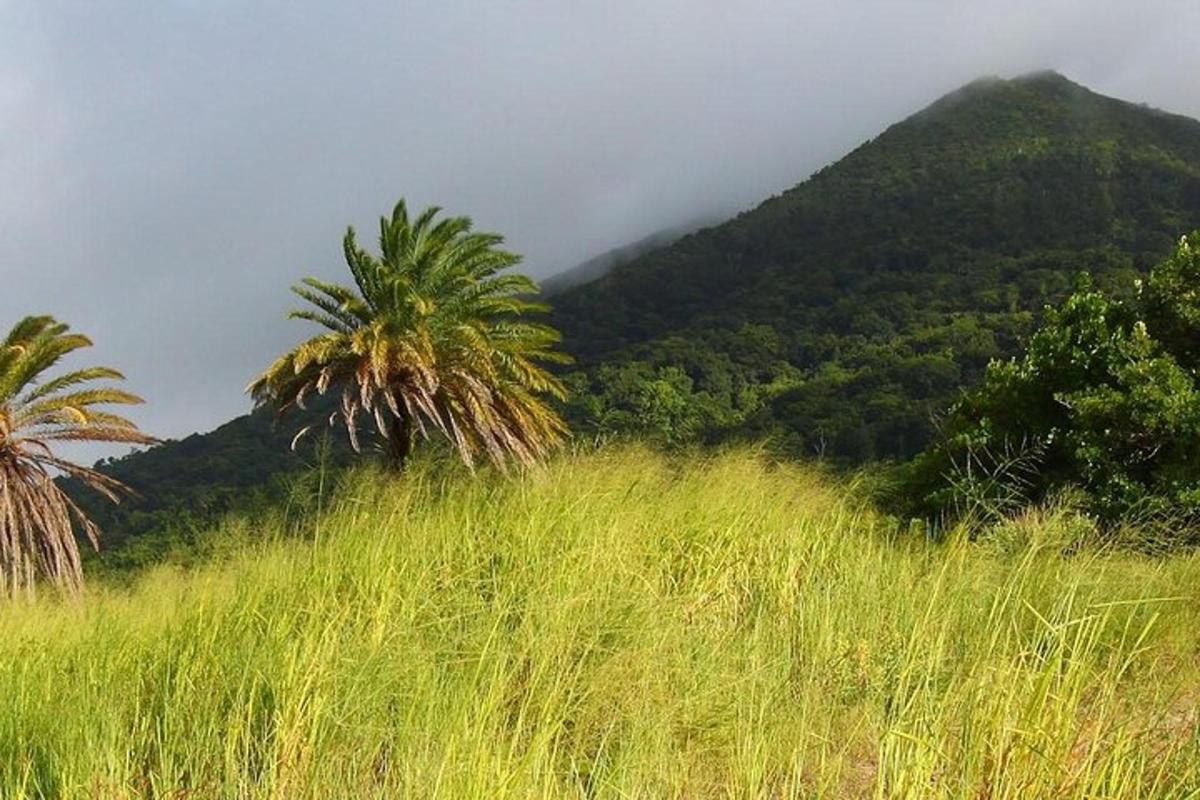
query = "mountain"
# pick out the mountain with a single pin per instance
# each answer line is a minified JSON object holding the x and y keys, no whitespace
{"x":839,"y":317}
{"x":866,"y":296}
{"x":601,"y":265}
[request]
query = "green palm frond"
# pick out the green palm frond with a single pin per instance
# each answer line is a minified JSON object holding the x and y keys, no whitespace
{"x":432,"y":339}
{"x":38,"y":521}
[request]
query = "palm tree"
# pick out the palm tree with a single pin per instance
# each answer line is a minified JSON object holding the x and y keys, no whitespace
{"x":38,"y":519}
{"x":434,"y":340}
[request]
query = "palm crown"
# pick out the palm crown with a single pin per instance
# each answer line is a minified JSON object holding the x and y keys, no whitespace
{"x":37,"y":519}
{"x":433,"y":340}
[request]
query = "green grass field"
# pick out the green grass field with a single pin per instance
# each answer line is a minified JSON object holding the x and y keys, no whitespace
{"x":615,"y":625}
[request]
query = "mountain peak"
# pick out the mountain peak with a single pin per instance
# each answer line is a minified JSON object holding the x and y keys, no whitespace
{"x":1054,"y":84}
{"x":990,"y":90}
{"x":1046,"y":77}
{"x":1044,"y":106}
{"x":1036,"y":78}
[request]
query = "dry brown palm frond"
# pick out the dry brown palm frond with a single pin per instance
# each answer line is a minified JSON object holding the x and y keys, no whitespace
{"x":38,"y":520}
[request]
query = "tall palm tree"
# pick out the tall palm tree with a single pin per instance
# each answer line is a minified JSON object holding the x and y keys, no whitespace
{"x":37,"y":519}
{"x":434,"y":340}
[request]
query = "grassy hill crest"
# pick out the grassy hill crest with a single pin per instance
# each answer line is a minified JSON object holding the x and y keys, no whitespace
{"x":614,"y":624}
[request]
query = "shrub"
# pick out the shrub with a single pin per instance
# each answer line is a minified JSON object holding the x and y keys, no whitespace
{"x":1105,"y":398}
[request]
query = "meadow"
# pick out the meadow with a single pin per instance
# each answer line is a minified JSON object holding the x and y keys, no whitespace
{"x":614,"y":624}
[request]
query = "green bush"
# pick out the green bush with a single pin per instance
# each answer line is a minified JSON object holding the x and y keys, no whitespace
{"x":1105,"y":398}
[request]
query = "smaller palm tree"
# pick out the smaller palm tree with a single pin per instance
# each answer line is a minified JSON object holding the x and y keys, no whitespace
{"x":37,"y":518}
{"x":434,"y":340}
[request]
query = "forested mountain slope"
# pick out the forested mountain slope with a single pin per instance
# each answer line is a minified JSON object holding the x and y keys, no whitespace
{"x":866,"y":296}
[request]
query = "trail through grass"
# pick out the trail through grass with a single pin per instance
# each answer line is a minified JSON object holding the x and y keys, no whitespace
{"x":615,"y":625}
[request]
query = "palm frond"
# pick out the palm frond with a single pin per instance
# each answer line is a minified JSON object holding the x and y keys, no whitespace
{"x":38,"y":520}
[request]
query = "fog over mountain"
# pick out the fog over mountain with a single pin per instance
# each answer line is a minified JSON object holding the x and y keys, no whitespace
{"x":168,"y":169}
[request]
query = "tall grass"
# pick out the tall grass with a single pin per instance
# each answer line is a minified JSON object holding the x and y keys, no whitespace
{"x":615,"y":625}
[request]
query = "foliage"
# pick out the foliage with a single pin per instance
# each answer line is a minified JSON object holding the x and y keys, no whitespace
{"x":838,"y":319}
{"x":891,"y":278}
{"x":614,"y":625}
{"x":1107,"y":391}
{"x":677,"y":393}
{"x":432,"y":340}
{"x":37,"y":414}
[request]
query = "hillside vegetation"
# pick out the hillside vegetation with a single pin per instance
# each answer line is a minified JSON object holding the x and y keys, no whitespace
{"x":615,"y":624}
{"x":837,"y":319}
{"x":843,"y":315}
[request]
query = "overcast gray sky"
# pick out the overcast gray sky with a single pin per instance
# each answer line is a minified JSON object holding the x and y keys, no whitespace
{"x":169,"y":167}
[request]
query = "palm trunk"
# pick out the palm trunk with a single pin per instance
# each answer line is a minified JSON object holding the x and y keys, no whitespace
{"x":399,"y":443}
